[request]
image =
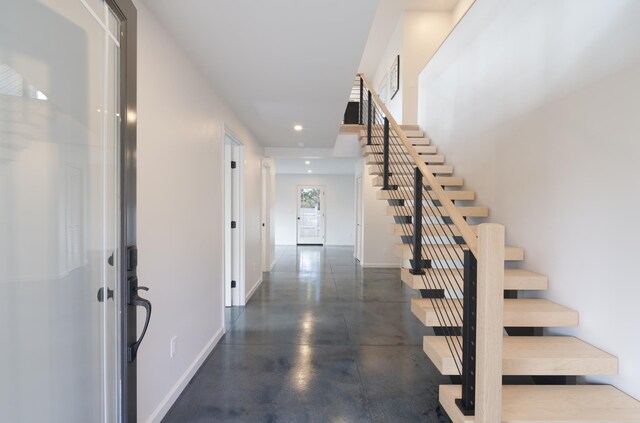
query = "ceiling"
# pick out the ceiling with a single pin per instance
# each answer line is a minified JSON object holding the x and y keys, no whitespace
{"x":318,"y":166}
{"x":276,"y":63}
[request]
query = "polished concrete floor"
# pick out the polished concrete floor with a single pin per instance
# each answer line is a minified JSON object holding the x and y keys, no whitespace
{"x":322,"y":340}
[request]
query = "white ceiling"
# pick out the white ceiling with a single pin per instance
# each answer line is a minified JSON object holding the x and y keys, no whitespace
{"x":278,"y":62}
{"x":385,"y":21}
{"x":319,"y":166}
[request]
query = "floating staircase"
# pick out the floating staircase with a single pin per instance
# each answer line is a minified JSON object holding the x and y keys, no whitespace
{"x":391,"y":153}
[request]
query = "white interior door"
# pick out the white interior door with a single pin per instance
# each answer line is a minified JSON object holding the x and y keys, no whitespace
{"x":311,"y":215}
{"x":358,"y":231}
{"x":266,"y":217}
{"x":60,"y":216}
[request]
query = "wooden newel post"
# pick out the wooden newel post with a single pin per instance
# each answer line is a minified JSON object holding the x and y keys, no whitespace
{"x":490,"y":323}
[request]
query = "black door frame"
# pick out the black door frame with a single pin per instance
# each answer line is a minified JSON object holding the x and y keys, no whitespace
{"x":128,"y":143}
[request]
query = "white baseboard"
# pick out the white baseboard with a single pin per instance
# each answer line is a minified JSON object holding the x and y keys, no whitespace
{"x":163,"y":408}
{"x":381,"y":265}
{"x":253,"y":290}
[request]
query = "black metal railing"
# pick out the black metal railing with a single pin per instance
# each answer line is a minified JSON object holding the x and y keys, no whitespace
{"x":437,"y":252}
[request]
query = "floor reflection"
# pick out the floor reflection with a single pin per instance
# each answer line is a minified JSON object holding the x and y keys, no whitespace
{"x":322,"y":340}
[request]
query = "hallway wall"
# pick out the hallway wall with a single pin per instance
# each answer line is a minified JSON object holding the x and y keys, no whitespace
{"x":536,"y":104}
{"x":180,"y":214}
{"x":340,"y":207}
{"x":377,"y":240}
{"x":416,"y":38}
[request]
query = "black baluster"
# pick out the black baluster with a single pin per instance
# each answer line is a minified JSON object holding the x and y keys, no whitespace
{"x":416,"y":267}
{"x":470,"y":303}
{"x":369,"y":118}
{"x":361,"y":101}
{"x":385,"y":159}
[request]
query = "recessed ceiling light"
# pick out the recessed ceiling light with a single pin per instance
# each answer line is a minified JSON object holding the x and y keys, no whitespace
{"x":309,"y":171}
{"x":300,"y":144}
{"x":307,"y":162}
{"x":298,"y":127}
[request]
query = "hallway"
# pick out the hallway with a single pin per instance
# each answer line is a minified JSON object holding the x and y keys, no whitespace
{"x":322,"y":340}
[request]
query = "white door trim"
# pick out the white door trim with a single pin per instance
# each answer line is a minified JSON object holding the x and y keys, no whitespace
{"x":234,"y":267}
{"x":359,"y":213}
{"x":266,"y":216}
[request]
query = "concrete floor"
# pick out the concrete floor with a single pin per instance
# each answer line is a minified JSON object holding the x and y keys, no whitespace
{"x":322,"y":340}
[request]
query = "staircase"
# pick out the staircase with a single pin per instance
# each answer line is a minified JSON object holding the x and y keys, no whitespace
{"x":440,"y":250}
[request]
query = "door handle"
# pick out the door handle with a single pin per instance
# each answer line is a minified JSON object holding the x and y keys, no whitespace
{"x":137,"y":301}
{"x":101,"y":294}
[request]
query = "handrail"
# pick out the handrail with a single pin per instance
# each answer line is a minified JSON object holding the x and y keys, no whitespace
{"x":467,"y":234}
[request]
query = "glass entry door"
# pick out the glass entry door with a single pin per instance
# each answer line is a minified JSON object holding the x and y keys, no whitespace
{"x":310,"y":215}
{"x":61,"y":214}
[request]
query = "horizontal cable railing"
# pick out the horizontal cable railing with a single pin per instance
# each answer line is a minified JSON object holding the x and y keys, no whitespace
{"x":458,"y":220}
{"x":436,"y":239}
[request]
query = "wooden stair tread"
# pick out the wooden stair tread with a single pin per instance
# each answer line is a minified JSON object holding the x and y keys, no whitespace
{"x":378,"y":149}
{"x":409,"y":133}
{"x":514,"y":279}
{"x":453,"y":195}
{"x":428,"y":229}
{"x":451,"y":252}
{"x":407,"y":161}
{"x":407,"y":181}
{"x":376,"y":169}
{"x":531,"y":356}
{"x":554,"y":404}
{"x":378,"y":140}
{"x":467,"y":211}
{"x":518,"y":312}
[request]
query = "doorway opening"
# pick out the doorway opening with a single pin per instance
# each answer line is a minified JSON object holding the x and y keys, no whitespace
{"x":233,"y":221}
{"x":311,"y":215}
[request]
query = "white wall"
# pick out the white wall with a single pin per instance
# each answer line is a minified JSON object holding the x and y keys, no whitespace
{"x":423,"y":32}
{"x":417,"y":36}
{"x":460,"y":9}
{"x":377,"y":240}
{"x":394,"y":47}
{"x":536,"y":103}
{"x":340,"y":207}
{"x":181,"y":122}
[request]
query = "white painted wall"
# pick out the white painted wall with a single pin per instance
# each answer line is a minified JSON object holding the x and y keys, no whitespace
{"x":536,"y":103}
{"x":394,"y":47}
{"x":417,"y":36}
{"x":181,"y":123}
{"x":340,"y":207}
{"x":460,"y":9}
{"x":423,"y":33}
{"x":377,"y":240}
